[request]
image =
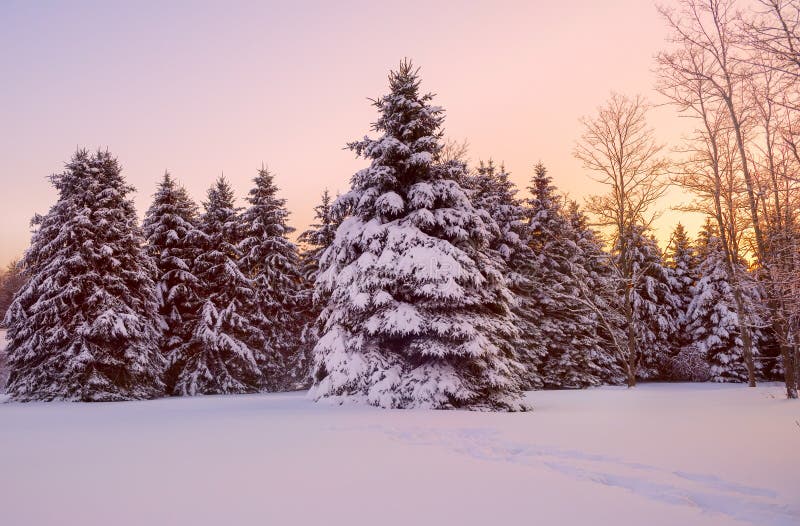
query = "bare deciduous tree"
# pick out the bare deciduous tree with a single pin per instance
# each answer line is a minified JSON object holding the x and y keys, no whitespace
{"x":776,"y":33}
{"x":454,"y":150}
{"x":710,"y":170}
{"x":712,"y":50}
{"x":620,"y":150}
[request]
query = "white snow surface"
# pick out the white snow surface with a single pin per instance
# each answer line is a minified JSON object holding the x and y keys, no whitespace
{"x":659,"y":454}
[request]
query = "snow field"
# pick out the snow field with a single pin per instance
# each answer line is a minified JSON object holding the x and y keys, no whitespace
{"x":659,"y":454}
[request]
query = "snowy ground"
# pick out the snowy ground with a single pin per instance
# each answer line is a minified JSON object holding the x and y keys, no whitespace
{"x":656,"y":455}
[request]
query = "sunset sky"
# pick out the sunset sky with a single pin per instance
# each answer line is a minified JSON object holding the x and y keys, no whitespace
{"x":201,"y":88}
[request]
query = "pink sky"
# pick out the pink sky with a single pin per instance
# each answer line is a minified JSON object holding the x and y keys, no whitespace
{"x":202,"y":88}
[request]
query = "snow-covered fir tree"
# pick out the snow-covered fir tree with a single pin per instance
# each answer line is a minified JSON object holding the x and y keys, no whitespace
{"x":314,"y":241}
{"x":567,"y":327}
{"x":683,"y":263}
{"x":704,"y":241}
{"x":492,"y":191}
{"x":225,"y":353}
{"x":596,"y":292}
{"x":682,"y":259}
{"x":12,"y":278}
{"x":654,"y":306}
{"x":170,"y":227}
{"x":318,"y":236}
{"x":271,"y":261}
{"x":712,"y":319}
{"x":85,"y":325}
{"x":493,"y":194}
{"x":418,"y":313}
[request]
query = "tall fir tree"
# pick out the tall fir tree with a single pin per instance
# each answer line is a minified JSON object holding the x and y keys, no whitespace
{"x":573,"y":354}
{"x":271,"y":261}
{"x":170,"y":227}
{"x":654,"y":306}
{"x":418,"y":313}
{"x":85,"y":325}
{"x":494,"y":195}
{"x":712,"y":319}
{"x":225,"y":352}
{"x":683,"y":263}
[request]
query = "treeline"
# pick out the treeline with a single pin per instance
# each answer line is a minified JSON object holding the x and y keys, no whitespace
{"x":433,"y":283}
{"x":187,"y":303}
{"x":428,"y":284}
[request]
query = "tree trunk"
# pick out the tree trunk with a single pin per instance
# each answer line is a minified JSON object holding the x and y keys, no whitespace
{"x":747,"y":340}
{"x":632,"y":362}
{"x":775,"y":302}
{"x":788,"y":353}
{"x":781,"y":328}
{"x":789,"y":369}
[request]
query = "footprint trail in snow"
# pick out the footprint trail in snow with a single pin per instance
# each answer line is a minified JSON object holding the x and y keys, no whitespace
{"x":708,"y":493}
